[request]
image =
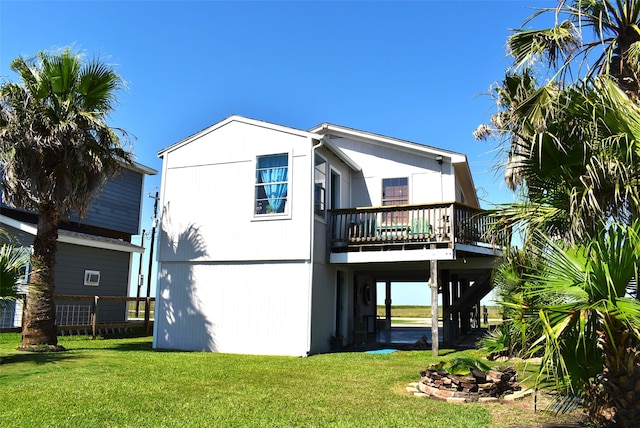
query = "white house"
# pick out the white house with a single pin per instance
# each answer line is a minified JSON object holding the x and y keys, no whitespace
{"x":273,"y":238}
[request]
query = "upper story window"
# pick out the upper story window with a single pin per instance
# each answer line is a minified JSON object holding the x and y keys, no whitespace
{"x":395,"y":191}
{"x":320,"y":185}
{"x":272,"y":184}
{"x":334,"y":192}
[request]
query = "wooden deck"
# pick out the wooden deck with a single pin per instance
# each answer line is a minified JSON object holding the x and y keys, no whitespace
{"x":439,"y":225}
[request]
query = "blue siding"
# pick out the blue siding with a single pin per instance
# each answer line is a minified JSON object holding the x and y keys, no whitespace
{"x":73,"y":260}
{"x":117,"y":207}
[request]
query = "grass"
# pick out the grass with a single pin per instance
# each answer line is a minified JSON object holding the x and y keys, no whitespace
{"x":408,"y":311}
{"x":141,"y":305}
{"x":122,"y":382}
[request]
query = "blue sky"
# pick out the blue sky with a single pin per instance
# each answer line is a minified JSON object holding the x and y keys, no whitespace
{"x":411,"y":70}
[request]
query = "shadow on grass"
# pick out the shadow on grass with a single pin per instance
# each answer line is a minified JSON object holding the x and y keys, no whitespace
{"x":38,"y":357}
{"x":113,"y":343}
{"x":133,"y":346}
{"x":108,"y":343}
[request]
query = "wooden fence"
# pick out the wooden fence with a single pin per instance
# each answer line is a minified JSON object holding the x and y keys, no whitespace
{"x":92,"y":323}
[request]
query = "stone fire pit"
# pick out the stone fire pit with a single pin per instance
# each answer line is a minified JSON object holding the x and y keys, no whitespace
{"x":477,"y":386}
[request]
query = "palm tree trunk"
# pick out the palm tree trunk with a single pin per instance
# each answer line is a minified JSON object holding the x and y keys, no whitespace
{"x":39,"y":326}
{"x":614,"y":399}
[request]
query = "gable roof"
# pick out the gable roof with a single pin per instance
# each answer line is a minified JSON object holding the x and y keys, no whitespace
{"x":319,"y":133}
{"x":458,"y":160}
{"x":325,"y":142}
{"x":241,"y":119}
{"x":369,"y":137}
{"x":235,"y":118}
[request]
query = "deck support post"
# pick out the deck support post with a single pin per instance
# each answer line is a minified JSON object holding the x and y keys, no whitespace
{"x":433,"y":283}
{"x":447,"y":323}
{"x":455,"y":296}
{"x":147,"y":315}
{"x":465,"y":317}
{"x":387,"y":305}
{"x":94,"y":316}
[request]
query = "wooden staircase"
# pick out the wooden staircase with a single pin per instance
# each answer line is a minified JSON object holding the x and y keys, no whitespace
{"x":461,"y":305}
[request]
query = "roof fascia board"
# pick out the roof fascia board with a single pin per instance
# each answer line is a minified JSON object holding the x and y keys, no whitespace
{"x":242,"y":119}
{"x":143,"y":169}
{"x":327,"y":128}
{"x":340,"y":154}
{"x":21,"y":226}
{"x":130,"y":248}
{"x":464,"y":172}
{"x":67,"y":239}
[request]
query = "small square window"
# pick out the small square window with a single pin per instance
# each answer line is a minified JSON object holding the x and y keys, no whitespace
{"x":92,"y":278}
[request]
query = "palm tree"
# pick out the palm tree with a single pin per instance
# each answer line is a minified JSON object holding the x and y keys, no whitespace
{"x":572,"y":147}
{"x":572,"y":153}
{"x":570,"y":142}
{"x":56,"y":151}
{"x":567,"y":54}
{"x":520,"y":325}
{"x":590,"y":337}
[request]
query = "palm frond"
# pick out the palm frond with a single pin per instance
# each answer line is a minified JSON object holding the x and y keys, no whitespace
{"x":555,"y":44}
{"x":57,"y":144}
{"x":12,"y":262}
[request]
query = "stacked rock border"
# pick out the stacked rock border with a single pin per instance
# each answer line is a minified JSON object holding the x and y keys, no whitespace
{"x":479,"y":386}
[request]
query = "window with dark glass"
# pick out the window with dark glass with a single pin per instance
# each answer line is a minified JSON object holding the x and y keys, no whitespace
{"x":272,"y":184}
{"x":395,"y":191}
{"x":320,"y":185}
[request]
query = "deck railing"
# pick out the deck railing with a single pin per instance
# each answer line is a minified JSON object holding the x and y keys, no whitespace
{"x":82,"y":313}
{"x":444,"y":223}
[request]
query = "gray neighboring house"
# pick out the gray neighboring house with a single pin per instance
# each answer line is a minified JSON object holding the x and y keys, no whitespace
{"x":95,"y":253}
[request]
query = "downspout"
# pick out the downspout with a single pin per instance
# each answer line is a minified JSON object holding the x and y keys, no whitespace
{"x":312,"y":241}
{"x":440,"y":160}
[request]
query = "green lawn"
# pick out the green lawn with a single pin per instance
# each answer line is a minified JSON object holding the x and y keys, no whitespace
{"x":408,"y":311}
{"x":124,"y":383}
{"x":401,"y":311}
{"x":140,"y":313}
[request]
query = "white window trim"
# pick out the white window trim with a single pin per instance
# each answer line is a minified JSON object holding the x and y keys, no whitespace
{"x":90,"y":278}
{"x":327,"y":168}
{"x":409,"y":187}
{"x":337,"y":172}
{"x":286,"y":215}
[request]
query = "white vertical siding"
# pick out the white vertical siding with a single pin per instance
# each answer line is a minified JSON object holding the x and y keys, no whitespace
{"x":429,"y":181}
{"x":323,"y":307}
{"x":449,"y":183}
{"x":234,"y":308}
{"x":229,"y":281}
{"x":209,"y":186}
